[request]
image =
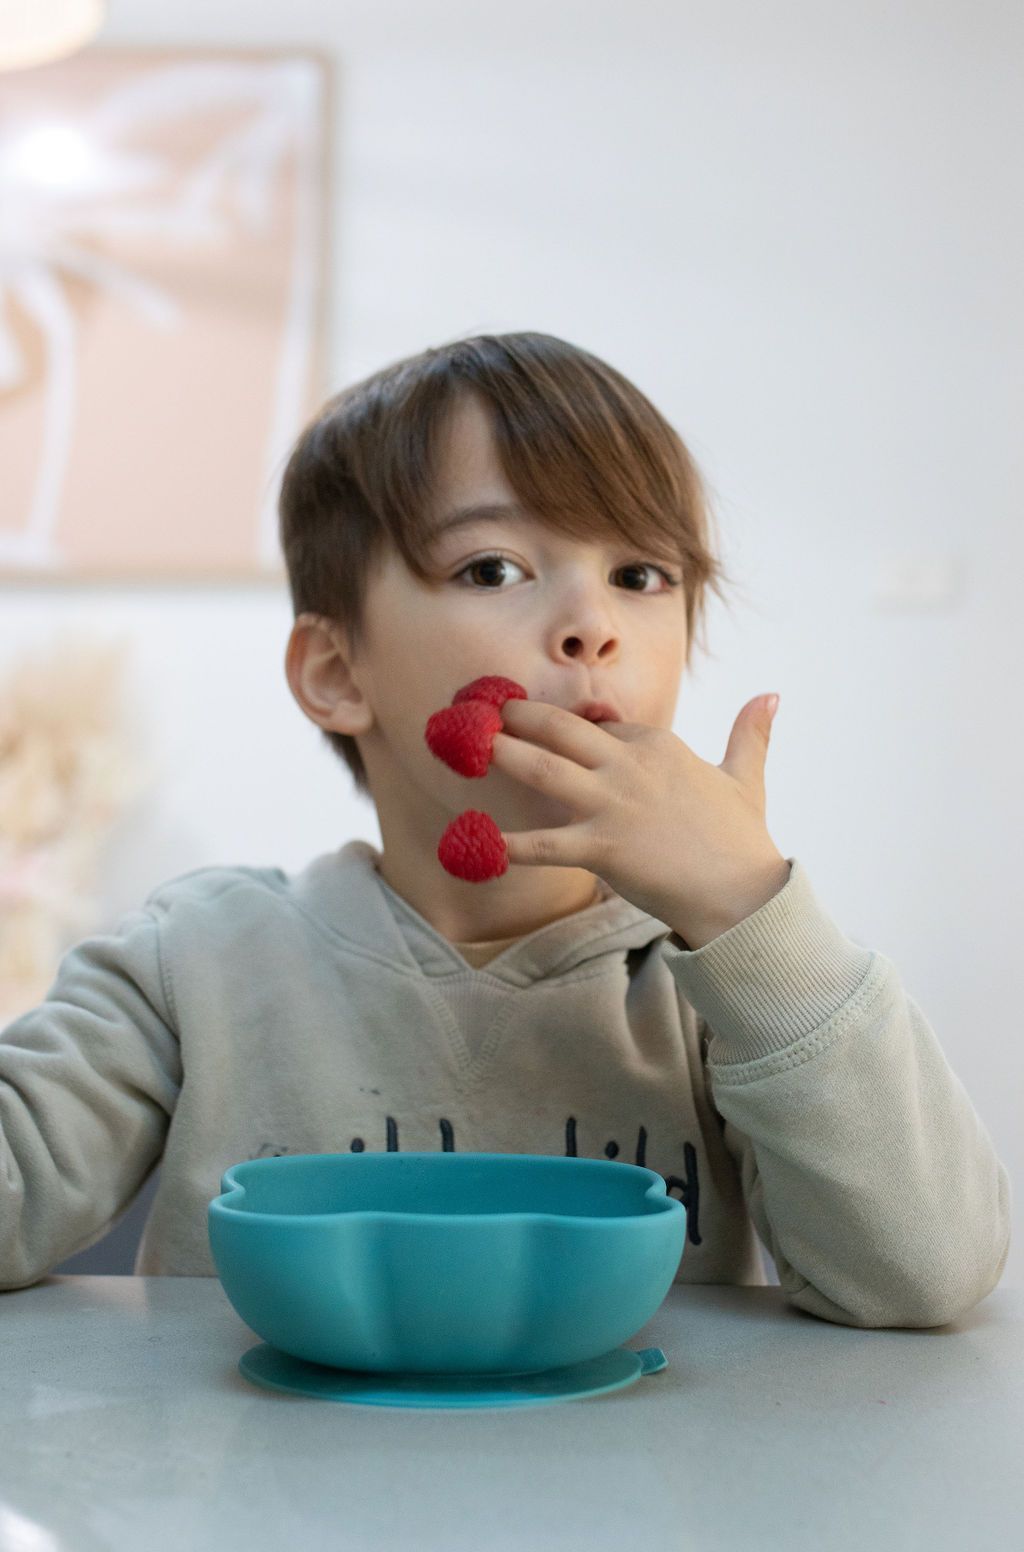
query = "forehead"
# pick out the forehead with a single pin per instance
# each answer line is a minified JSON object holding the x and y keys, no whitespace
{"x":470,"y":484}
{"x":468,"y":468}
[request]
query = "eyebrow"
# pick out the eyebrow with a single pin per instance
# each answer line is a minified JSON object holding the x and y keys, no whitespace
{"x":489,"y":511}
{"x":492,"y":511}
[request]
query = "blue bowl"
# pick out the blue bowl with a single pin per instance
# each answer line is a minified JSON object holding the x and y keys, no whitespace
{"x":445,"y":1263}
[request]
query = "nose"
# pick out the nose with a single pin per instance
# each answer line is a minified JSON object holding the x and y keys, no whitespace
{"x":592,"y":640}
{"x":591,"y":647}
{"x":583,"y":627}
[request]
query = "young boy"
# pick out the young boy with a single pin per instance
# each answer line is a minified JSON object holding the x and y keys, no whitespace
{"x":649,"y":980}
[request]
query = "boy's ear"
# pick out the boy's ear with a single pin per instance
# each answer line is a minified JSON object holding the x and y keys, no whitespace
{"x":320,"y":676}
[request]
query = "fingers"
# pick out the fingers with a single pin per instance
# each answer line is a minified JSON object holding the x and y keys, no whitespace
{"x":584,"y":742}
{"x":544,"y":771}
{"x":570,"y":846}
{"x":536,"y":846}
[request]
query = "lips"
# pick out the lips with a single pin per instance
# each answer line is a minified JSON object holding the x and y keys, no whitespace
{"x":596,"y":711}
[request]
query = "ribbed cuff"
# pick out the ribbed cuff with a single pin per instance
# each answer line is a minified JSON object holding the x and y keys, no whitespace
{"x":776,"y":976}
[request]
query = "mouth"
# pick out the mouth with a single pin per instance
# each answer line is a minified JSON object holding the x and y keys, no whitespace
{"x":596,"y":711}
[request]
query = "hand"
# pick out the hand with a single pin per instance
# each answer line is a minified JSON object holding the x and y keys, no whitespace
{"x":683,"y":840}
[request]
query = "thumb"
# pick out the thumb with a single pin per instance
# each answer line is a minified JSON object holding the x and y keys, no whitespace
{"x":747,"y":749}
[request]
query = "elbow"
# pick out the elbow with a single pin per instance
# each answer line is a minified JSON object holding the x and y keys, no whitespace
{"x":12,"y":1281}
{"x":966,"y":1290}
{"x":914,"y":1281}
{"x":934,"y":1293}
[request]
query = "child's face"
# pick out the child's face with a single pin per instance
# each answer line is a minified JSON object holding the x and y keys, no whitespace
{"x":569,"y":620}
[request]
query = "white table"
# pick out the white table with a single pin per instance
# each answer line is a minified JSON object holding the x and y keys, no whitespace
{"x":124,"y":1423}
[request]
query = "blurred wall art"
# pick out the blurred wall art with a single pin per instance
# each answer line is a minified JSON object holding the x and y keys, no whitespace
{"x":163,"y":251}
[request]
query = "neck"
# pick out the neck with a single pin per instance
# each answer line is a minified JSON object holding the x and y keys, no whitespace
{"x":461,"y":917}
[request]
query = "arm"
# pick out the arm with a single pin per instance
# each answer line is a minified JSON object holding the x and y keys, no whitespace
{"x":864,"y":1166}
{"x":88,"y":1082}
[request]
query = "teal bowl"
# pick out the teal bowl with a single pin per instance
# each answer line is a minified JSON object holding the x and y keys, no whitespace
{"x":445,"y":1263}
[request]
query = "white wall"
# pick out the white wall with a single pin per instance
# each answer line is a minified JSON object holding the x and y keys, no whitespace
{"x":798,"y":228}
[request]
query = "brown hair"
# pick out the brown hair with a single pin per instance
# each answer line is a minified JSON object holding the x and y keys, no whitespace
{"x":582,"y":448}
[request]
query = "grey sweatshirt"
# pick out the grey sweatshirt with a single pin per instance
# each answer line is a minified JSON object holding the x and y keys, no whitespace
{"x":779,"y":1078}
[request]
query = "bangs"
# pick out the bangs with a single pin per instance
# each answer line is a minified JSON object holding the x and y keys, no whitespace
{"x":585,"y":453}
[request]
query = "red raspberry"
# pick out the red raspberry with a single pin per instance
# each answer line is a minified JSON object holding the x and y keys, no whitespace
{"x":472,"y":848}
{"x":492,"y":688}
{"x":462,"y":736}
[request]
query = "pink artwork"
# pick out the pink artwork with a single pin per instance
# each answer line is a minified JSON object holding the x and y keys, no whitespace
{"x":162,"y":266}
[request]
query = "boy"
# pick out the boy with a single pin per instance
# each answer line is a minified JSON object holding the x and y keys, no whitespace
{"x":650,"y":979}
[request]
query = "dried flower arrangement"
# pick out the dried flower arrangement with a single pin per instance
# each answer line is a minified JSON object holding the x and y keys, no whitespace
{"x":69,"y":765}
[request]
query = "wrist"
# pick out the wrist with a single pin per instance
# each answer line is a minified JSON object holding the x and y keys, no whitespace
{"x":696,"y":929}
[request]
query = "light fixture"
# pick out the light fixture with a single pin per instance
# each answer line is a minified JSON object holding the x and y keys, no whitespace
{"x":36,"y":32}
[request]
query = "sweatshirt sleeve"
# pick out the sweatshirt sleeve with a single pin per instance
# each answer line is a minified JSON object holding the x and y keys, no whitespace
{"x":88,"y":1083}
{"x":864,"y":1166}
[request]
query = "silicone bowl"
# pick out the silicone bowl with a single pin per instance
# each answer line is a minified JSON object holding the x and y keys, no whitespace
{"x":444,"y":1263}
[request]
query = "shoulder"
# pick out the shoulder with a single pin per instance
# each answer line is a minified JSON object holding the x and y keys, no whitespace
{"x":218,"y":890}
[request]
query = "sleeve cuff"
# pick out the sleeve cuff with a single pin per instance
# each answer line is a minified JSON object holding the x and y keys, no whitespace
{"x":776,"y":976}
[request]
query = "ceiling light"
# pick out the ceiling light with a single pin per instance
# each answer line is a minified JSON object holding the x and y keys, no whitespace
{"x":37,"y":32}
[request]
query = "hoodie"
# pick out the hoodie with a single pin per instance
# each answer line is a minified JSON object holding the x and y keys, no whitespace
{"x":779,"y":1078}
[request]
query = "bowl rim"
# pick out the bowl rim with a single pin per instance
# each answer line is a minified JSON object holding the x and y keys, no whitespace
{"x":656,"y":1192}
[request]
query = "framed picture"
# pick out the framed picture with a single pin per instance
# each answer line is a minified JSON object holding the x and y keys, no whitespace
{"x":163,"y":253}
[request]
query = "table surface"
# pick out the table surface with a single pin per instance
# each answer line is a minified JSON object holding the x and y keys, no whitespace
{"x":124,"y":1423}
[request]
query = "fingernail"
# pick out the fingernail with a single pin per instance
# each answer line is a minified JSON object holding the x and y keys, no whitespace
{"x":772,"y":704}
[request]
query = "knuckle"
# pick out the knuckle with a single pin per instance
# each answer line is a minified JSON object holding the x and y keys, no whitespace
{"x":543,"y":848}
{"x":545,"y":766}
{"x":599,"y":844}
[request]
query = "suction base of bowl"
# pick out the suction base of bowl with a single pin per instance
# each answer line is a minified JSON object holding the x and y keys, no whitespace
{"x":271,"y":1369}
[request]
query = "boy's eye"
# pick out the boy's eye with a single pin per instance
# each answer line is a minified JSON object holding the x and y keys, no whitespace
{"x":495,"y":560}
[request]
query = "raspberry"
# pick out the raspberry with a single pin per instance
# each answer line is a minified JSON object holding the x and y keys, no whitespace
{"x":492,"y":688}
{"x":462,"y":736}
{"x":472,"y":848}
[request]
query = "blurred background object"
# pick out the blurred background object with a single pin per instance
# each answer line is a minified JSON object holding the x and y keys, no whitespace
{"x":69,"y":766}
{"x":162,"y":249}
{"x":34,"y":32}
